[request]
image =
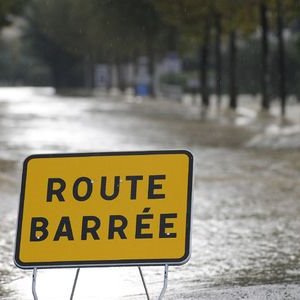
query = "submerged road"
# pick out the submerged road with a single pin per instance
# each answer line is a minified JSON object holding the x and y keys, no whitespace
{"x":246,"y":225}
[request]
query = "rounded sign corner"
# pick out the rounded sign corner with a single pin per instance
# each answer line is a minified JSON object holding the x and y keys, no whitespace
{"x":18,"y":263}
{"x":185,"y":258}
{"x":29,"y":158}
{"x":188,"y":153}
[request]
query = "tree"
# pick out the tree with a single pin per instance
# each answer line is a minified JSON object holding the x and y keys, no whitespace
{"x":42,"y":18}
{"x":265,"y":56}
{"x":141,"y":33}
{"x":281,"y":12}
{"x":281,"y":51}
{"x":9,"y":8}
{"x":238,"y":19}
{"x":192,"y":19}
{"x":218,"y":55}
{"x":96,"y":31}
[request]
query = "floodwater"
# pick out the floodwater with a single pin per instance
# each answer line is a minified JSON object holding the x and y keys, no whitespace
{"x":246,"y":206}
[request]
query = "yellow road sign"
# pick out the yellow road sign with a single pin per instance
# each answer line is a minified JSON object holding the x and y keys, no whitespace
{"x":96,"y":209}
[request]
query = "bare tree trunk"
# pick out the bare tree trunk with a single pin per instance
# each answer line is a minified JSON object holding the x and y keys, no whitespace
{"x":120,"y":76}
{"x":151,"y":67}
{"x":218,"y":57}
{"x":281,"y":57}
{"x":109,"y":82}
{"x":265,"y":76}
{"x":232,"y":70}
{"x":203,"y":55}
{"x":89,"y":72}
{"x":136,"y":70}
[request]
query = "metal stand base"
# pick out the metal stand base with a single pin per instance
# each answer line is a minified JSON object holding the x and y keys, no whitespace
{"x":162,"y":293}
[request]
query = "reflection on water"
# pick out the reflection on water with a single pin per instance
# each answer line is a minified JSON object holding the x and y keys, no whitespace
{"x":246,"y":226}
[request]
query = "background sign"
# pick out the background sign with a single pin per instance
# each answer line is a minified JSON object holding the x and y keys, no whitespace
{"x":120,"y":208}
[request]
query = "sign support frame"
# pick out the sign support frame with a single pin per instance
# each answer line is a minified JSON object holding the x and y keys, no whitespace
{"x":34,"y":275}
{"x":161,"y":295}
{"x":74,"y":284}
{"x":144,"y":283}
{"x":163,"y":291}
{"x":139,"y":262}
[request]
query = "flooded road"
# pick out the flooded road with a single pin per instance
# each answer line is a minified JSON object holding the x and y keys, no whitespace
{"x":246,"y":225}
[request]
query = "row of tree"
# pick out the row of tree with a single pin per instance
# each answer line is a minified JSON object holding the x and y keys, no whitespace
{"x":226,"y":20}
{"x":71,"y":36}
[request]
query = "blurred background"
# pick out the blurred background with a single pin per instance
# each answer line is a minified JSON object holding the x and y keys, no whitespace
{"x":167,"y":48}
{"x":218,"y":77}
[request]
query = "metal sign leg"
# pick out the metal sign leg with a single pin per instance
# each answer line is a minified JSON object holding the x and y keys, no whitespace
{"x":144,"y":283}
{"x":74,"y":284}
{"x":34,"y":275}
{"x":162,"y":293}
